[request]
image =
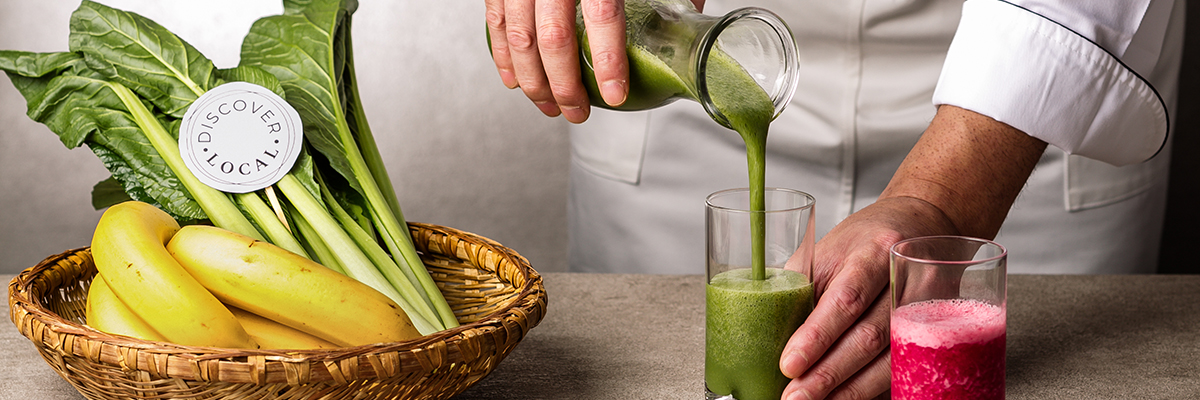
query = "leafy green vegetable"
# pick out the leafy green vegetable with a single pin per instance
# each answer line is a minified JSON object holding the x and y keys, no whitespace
{"x":127,"y":82}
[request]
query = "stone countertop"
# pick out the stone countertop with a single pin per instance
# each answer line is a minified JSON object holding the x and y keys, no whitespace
{"x":642,"y":337}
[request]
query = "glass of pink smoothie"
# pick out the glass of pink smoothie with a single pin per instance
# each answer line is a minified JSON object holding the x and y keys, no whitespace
{"x":948,"y":318}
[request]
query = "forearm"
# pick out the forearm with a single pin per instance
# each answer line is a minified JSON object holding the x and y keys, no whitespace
{"x":969,"y":168}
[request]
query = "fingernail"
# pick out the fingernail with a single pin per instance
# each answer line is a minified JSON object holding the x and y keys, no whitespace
{"x":574,"y":114}
{"x":509,"y":78}
{"x":614,"y":92}
{"x":548,"y":108}
{"x":793,"y":363}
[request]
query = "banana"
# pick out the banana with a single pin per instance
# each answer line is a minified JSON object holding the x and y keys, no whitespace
{"x":277,"y":284}
{"x":129,"y":249}
{"x":273,"y":335}
{"x":107,"y":314}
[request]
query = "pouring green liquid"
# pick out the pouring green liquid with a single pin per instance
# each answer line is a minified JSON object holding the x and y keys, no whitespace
{"x":750,"y":312}
{"x":747,"y":109}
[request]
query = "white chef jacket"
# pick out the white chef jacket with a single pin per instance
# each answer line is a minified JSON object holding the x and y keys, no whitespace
{"x":1098,"y":84}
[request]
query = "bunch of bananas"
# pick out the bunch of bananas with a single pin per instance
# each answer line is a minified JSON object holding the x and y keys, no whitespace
{"x":206,"y":286}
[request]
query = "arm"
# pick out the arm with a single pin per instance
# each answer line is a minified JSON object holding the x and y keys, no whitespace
{"x":534,"y":47}
{"x":1077,"y":75}
{"x":969,"y":167}
{"x":961,"y":178}
{"x":1032,"y":72}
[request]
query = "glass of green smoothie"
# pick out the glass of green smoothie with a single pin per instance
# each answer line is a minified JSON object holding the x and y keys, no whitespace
{"x":753,"y":307}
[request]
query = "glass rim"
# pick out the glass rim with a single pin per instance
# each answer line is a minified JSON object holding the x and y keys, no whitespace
{"x":809,"y":203}
{"x":893,"y":250}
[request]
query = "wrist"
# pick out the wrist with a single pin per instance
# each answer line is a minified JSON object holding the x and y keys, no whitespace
{"x":969,"y":167}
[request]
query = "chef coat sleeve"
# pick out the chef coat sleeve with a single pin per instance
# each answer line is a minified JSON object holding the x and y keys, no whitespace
{"x":1071,"y":73}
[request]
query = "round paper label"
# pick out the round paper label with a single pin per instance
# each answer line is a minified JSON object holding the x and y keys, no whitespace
{"x":240,"y":137}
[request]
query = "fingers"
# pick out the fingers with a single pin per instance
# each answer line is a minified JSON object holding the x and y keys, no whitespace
{"x":534,"y":47}
{"x":872,"y":382}
{"x":856,"y":367}
{"x":560,"y":57}
{"x":845,"y":299}
{"x":497,"y":26}
{"x":521,"y":36}
{"x":605,"y":24}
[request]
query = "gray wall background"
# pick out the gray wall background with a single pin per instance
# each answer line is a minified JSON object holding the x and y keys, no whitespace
{"x":462,"y":150}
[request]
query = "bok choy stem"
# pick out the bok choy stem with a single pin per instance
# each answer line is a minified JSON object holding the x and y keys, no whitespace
{"x":356,"y":264}
{"x":320,"y":251}
{"x":269,"y":222}
{"x":382,"y":261}
{"x":391,"y":229}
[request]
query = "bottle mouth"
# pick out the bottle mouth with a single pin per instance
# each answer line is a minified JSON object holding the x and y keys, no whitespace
{"x":759,"y":41}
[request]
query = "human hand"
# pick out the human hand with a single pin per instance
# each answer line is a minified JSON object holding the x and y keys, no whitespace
{"x":535,"y":48}
{"x":841,"y":351}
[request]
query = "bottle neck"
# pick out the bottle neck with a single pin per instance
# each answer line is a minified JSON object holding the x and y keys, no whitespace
{"x":745,"y":50}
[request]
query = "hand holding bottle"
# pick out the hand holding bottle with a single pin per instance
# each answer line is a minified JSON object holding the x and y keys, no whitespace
{"x":535,"y":48}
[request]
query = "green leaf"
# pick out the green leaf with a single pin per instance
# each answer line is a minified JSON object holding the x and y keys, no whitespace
{"x":31,"y":72}
{"x":142,"y":55}
{"x":300,"y":52}
{"x":108,"y":192}
{"x":319,"y":10}
{"x":255,"y":75}
{"x":80,"y":107}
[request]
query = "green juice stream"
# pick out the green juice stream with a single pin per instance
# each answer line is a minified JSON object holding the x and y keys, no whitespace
{"x":750,"y":312}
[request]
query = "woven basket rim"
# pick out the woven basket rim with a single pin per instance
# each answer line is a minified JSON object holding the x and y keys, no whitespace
{"x":512,"y":320}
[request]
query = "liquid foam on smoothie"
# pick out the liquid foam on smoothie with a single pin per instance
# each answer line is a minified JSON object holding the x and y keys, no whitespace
{"x":945,"y":323}
{"x":739,"y":280}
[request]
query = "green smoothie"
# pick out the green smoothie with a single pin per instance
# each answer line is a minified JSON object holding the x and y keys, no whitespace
{"x":747,"y":323}
{"x":654,"y":73}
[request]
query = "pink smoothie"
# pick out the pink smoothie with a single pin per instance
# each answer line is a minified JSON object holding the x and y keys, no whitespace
{"x":948,"y":349}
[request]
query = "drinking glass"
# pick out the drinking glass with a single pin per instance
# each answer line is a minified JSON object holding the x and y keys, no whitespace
{"x":748,"y":321}
{"x":948,"y":318}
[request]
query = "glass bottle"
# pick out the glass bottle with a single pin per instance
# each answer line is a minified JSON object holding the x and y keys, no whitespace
{"x":674,"y":50}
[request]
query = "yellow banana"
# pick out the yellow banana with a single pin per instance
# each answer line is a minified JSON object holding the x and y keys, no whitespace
{"x":107,"y":314}
{"x":273,"y":335}
{"x":129,"y":249}
{"x":277,"y":284}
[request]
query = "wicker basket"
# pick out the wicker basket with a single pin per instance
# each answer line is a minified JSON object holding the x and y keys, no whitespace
{"x":494,"y":292}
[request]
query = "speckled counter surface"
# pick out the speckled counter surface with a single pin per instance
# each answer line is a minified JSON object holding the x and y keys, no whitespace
{"x":642,"y":337}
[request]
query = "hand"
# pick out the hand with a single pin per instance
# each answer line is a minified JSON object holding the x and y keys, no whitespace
{"x":841,"y":350}
{"x":961,"y":178}
{"x":535,"y":48}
